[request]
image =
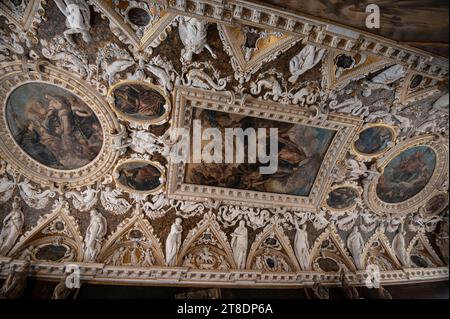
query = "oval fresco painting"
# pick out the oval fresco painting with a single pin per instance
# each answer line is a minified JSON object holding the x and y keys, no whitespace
{"x":139,"y":102}
{"x":436,"y":204}
{"x":53,"y":126}
{"x":406,"y":175}
{"x":374,"y":140}
{"x":342,"y":197}
{"x":139,"y":17}
{"x":139,"y":176}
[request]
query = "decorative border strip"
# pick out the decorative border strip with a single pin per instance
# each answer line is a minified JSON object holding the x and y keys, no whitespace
{"x":318,"y":31}
{"x":182,"y":276}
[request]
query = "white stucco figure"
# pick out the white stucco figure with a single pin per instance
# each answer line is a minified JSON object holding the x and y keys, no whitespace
{"x":301,"y":246}
{"x":355,"y":244}
{"x":111,"y":201}
{"x":12,"y":228}
{"x":305,"y":60}
{"x":441,"y":104}
{"x":382,"y":80}
{"x":399,"y":246}
{"x":83,"y":200}
{"x":193,"y":34}
{"x":33,"y":196}
{"x":6,"y":188}
{"x":78,"y":16}
{"x":173,"y":242}
{"x":239,"y":244}
{"x":94,"y":236}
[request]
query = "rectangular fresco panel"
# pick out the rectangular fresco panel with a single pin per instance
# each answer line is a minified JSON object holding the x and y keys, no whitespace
{"x":301,"y":150}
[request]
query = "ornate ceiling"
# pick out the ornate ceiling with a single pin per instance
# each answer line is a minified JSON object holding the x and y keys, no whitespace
{"x":92,"y":93}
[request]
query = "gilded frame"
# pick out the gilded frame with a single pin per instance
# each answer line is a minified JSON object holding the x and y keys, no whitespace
{"x":13,"y":77}
{"x":435,"y":184}
{"x":186,"y":98}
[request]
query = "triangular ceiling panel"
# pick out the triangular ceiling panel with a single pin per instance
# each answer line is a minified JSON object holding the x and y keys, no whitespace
{"x":56,"y":237}
{"x":249,"y":47}
{"x":140,"y":24}
{"x":272,"y":252}
{"x":133,"y":244}
{"x":206,"y":247}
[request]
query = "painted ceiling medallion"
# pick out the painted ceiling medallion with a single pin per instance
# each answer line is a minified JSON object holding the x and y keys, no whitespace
{"x":407,"y":174}
{"x":139,"y":102}
{"x":374,"y":140}
{"x":411,"y":173}
{"x":139,"y":176}
{"x":436,"y":204}
{"x":343,"y":198}
{"x":53,"y":126}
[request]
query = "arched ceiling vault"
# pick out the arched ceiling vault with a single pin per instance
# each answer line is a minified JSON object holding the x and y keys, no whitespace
{"x":92,"y":94}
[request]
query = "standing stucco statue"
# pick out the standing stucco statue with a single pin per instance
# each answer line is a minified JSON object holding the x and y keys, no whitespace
{"x":173,"y":242}
{"x":301,"y":246}
{"x":355,"y":244}
{"x":78,"y":16}
{"x":399,"y":246}
{"x":239,"y":244}
{"x":12,"y":228}
{"x":94,"y":236}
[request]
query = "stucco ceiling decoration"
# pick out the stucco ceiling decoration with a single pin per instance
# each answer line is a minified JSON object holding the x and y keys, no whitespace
{"x":92,"y":92}
{"x":23,"y":17}
{"x":141,"y":36}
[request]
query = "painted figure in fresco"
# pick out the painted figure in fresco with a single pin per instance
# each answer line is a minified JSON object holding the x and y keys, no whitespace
{"x":341,"y":198}
{"x":142,"y":177}
{"x":94,"y":235}
{"x":173,"y":242}
{"x":239,"y":244}
{"x":373,"y":140}
{"x":139,"y":100}
{"x":300,"y":153}
{"x":12,"y":228}
{"x":57,"y":130}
